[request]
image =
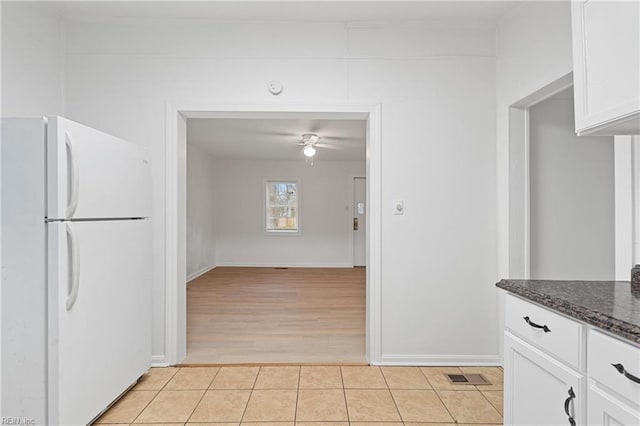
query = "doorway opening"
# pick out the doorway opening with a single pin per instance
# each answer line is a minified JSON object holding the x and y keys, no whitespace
{"x":561,"y":192}
{"x":270,"y":273}
{"x":253,"y":264}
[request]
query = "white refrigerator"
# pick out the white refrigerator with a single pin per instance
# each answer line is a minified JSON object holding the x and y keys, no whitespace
{"x":76,"y":270}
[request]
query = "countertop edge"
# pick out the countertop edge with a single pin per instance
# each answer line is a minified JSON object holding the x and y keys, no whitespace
{"x":605,"y":322}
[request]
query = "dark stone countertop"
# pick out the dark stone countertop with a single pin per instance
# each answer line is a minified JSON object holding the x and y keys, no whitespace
{"x":609,"y":305}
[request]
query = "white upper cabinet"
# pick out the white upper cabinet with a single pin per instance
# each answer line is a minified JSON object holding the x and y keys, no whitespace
{"x":606,"y":66}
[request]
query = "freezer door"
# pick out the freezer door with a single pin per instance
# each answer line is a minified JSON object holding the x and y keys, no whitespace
{"x":94,"y":175}
{"x":99,"y":328}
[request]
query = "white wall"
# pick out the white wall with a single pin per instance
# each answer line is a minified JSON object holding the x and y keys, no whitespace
{"x":572,"y":196}
{"x":533,"y":50}
{"x":436,"y":86}
{"x":201,"y":212}
{"x":326,"y":196}
{"x":225,"y":213}
{"x":32,"y":59}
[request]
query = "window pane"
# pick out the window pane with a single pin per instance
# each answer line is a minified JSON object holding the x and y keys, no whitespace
{"x":282,"y":206}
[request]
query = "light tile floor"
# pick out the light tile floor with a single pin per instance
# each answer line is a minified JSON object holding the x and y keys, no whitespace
{"x":309,"y":396}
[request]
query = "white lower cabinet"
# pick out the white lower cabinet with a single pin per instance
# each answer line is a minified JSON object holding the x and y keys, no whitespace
{"x":605,"y":410}
{"x":540,"y":390}
{"x":559,"y":371}
{"x":614,"y":381}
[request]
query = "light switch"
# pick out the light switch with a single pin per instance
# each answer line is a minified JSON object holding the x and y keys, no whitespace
{"x":398,"y":206}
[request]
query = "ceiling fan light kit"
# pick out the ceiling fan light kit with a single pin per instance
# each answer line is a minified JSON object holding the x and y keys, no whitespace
{"x":309,"y":150}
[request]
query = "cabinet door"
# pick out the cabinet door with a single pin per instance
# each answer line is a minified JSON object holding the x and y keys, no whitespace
{"x":538,"y":389}
{"x":606,"y":62}
{"x":604,"y":410}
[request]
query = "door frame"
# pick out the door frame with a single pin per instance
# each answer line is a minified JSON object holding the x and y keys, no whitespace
{"x":626,"y":187}
{"x":519,"y":208}
{"x":627,"y":204}
{"x":352,"y":242}
{"x":176,"y":114}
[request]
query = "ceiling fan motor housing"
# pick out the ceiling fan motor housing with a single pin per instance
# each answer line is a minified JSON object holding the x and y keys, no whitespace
{"x":310,"y":138}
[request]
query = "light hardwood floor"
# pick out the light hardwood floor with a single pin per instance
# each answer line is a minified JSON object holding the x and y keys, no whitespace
{"x":267,"y":315}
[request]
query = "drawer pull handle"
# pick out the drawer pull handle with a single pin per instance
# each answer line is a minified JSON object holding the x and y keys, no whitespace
{"x":622,"y":371}
{"x":567,"y":401}
{"x":534,"y":325}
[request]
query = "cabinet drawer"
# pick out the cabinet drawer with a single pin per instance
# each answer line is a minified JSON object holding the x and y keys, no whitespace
{"x":561,"y":338}
{"x":605,"y":351}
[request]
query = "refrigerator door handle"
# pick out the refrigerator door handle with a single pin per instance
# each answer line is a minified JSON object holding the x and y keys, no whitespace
{"x":73,"y":178}
{"x":74,"y":272}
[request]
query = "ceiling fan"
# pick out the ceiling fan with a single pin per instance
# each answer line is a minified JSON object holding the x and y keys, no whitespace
{"x":313,"y":135}
{"x":310,"y":141}
{"x":315,"y":130}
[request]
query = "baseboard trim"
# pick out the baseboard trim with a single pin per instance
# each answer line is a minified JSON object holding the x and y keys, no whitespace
{"x":441,"y":360}
{"x":285,"y":265}
{"x":398,"y":360}
{"x":200,"y":272}
{"x":159,"y":361}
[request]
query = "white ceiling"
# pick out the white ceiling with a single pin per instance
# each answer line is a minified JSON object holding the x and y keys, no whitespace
{"x":277,"y":139}
{"x":296,"y":11}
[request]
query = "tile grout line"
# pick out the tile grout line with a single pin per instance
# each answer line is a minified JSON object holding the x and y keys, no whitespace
{"x":485,"y":397}
{"x":202,"y":397}
{"x":295,"y":412}
{"x":438,"y":395}
{"x":157,"y":393}
{"x":445,"y":406}
{"x":250,"y":394}
{"x":427,"y":379}
{"x":391,"y":393}
{"x":344,"y":395}
{"x":491,"y":403}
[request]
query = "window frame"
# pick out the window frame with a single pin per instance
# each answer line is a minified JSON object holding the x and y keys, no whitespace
{"x":279,"y":232}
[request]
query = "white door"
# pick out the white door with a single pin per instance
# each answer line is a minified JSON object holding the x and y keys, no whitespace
{"x":539,"y":391}
{"x":94,"y":175}
{"x":99,"y":342}
{"x":359,"y":221}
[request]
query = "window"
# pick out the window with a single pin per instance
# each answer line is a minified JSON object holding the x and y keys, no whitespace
{"x":282,"y":206}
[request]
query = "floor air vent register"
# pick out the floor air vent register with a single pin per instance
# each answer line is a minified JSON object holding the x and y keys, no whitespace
{"x":467,"y":379}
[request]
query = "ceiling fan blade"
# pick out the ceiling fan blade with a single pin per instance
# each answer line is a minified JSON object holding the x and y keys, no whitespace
{"x":281,"y":134}
{"x":327,"y":146}
{"x":343,"y":138}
